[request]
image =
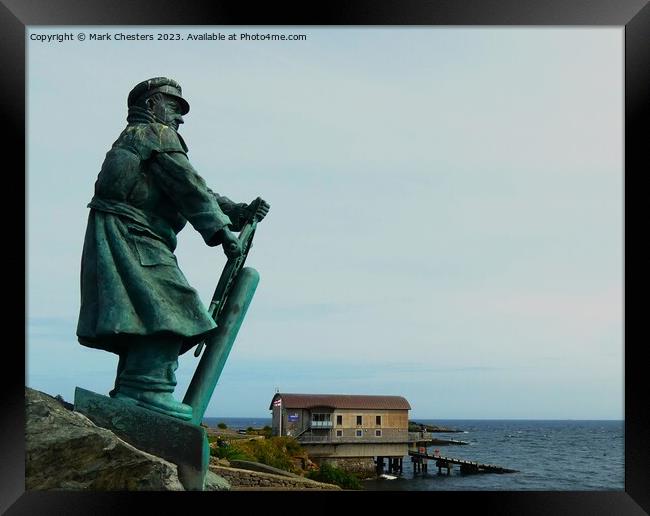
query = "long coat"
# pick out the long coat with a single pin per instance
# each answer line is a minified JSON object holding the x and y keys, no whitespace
{"x":131,"y":284}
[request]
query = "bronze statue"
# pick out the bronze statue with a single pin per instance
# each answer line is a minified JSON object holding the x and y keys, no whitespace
{"x":135,"y":301}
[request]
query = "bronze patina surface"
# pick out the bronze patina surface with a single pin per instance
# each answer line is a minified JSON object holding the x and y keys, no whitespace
{"x":135,"y":301}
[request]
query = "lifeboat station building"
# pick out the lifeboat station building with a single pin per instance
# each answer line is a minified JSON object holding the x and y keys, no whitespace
{"x":353,"y":432}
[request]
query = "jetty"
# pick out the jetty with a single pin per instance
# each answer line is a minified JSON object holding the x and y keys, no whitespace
{"x":420,"y":464}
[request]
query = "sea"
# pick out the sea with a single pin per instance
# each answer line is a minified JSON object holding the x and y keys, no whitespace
{"x":574,"y":455}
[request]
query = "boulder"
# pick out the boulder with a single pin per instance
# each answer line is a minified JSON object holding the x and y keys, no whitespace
{"x":214,"y":482}
{"x":65,"y":450}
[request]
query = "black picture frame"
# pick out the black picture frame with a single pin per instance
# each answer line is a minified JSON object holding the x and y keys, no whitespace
{"x":633,"y":15}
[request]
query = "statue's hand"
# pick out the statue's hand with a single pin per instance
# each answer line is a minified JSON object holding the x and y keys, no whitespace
{"x":230,"y":243}
{"x":258,"y":208}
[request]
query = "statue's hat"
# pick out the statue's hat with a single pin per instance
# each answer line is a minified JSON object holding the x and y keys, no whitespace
{"x":158,"y":85}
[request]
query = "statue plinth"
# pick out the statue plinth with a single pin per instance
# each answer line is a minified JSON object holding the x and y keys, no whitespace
{"x":177,"y":441}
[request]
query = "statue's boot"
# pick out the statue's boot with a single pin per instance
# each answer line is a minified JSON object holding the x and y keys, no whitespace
{"x":147,"y":377}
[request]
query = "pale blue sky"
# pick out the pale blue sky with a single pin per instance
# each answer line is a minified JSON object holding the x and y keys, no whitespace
{"x":446,"y":211}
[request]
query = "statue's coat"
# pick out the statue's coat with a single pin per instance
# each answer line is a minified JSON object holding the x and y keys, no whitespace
{"x":131,"y":284}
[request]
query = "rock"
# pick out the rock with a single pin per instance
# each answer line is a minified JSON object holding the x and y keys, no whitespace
{"x":65,"y":450}
{"x":214,"y":482}
{"x":60,"y":399}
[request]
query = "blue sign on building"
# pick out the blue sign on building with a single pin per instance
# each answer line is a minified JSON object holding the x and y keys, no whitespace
{"x":292,"y":417}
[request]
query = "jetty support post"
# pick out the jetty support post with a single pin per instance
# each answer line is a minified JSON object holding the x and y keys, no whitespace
{"x":379,"y":465}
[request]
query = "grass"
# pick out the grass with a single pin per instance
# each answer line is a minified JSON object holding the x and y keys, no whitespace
{"x":278,"y":452}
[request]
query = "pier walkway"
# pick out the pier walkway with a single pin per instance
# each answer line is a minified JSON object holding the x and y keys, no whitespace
{"x":466,"y":466}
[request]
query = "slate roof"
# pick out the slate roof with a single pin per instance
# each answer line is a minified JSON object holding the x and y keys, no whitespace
{"x":341,"y":401}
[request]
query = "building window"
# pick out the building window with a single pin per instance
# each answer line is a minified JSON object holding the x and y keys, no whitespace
{"x":359,"y":420}
{"x":359,"y":432}
{"x":339,"y":420}
{"x":378,"y":420}
{"x":321,"y":420}
{"x":339,"y":433}
{"x":377,"y":433}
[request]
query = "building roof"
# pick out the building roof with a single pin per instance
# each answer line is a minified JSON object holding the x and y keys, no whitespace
{"x":341,"y":401}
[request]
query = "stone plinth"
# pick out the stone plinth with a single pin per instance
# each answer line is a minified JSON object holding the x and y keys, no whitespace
{"x":177,"y":441}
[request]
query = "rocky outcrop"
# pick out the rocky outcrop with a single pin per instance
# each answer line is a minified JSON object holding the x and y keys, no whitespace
{"x":414,"y":426}
{"x":65,"y":450}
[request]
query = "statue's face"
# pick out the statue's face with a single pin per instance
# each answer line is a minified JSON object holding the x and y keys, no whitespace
{"x":168,"y":111}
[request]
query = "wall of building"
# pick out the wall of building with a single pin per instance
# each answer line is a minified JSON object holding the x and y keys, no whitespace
{"x":393,"y":424}
{"x":389,"y":418}
{"x":294,"y":421}
{"x":369,"y":435}
{"x":355,"y":450}
{"x":275,"y":420}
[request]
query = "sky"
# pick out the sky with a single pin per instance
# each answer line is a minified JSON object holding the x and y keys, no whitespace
{"x":446,"y":216}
